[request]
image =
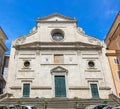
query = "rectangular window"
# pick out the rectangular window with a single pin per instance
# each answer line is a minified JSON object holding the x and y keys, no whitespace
{"x":116,"y":61}
{"x":26,"y":90}
{"x":58,"y":58}
{"x":119,"y":74}
{"x":94,"y":90}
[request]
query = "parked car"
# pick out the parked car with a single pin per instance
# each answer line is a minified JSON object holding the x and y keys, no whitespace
{"x":8,"y":107}
{"x":109,"y":107}
{"x":117,"y":107}
{"x":3,"y":107}
{"x":97,"y":106}
{"x":28,"y":107}
{"x":17,"y":107}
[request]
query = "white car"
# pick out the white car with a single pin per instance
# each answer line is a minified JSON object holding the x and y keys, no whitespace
{"x":117,"y":107}
{"x":28,"y":107}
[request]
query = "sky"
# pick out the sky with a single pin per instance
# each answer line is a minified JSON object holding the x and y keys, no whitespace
{"x":18,"y":17}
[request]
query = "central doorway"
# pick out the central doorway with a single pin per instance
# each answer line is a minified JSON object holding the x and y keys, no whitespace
{"x":60,"y":86}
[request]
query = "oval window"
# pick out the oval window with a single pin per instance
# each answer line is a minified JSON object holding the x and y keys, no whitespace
{"x":26,"y":63}
{"x":91,"y":64}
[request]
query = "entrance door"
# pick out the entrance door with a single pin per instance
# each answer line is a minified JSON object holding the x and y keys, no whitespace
{"x":94,"y":90}
{"x":26,"y":90}
{"x":60,"y":87}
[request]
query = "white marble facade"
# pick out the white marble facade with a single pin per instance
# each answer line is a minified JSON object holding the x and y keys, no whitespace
{"x":55,"y":48}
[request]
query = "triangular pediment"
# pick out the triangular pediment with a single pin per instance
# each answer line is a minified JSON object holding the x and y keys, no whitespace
{"x":59,"y":69}
{"x":55,"y":17}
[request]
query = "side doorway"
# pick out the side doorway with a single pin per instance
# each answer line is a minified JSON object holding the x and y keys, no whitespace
{"x":94,"y":90}
{"x":26,"y":90}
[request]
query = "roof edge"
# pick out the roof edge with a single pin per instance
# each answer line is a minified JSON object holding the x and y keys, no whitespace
{"x":3,"y":33}
{"x":112,"y":24}
{"x":55,"y":14}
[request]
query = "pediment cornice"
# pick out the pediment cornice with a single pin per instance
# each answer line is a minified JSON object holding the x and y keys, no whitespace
{"x":59,"y":69}
{"x":44,"y":19}
{"x":56,"y":45}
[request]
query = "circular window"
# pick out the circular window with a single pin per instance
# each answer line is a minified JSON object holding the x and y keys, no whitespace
{"x":91,"y":64}
{"x":57,"y":36}
{"x":26,"y":63}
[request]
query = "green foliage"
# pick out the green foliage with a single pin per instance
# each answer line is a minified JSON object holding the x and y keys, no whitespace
{"x":105,"y":102}
{"x":44,"y":101}
{"x":19,"y":102}
{"x":75,"y":98}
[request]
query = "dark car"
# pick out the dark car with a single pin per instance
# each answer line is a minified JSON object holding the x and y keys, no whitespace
{"x":97,"y":106}
{"x":8,"y":107}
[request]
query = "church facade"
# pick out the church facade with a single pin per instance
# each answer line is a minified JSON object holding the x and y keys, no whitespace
{"x":57,"y":59}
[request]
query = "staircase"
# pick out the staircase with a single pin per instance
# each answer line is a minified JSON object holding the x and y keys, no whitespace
{"x":5,"y":96}
{"x":61,"y":103}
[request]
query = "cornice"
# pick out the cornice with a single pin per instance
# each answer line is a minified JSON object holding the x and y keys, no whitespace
{"x":118,"y":15}
{"x":71,"y":21}
{"x":41,"y":87}
{"x":104,"y":88}
{"x":3,"y":46}
{"x":16,"y":87}
{"x":117,"y":31}
{"x":3,"y":33}
{"x":57,"y":45}
{"x":78,"y":88}
{"x":112,"y":54}
{"x":58,"y":48}
{"x":55,"y":15}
